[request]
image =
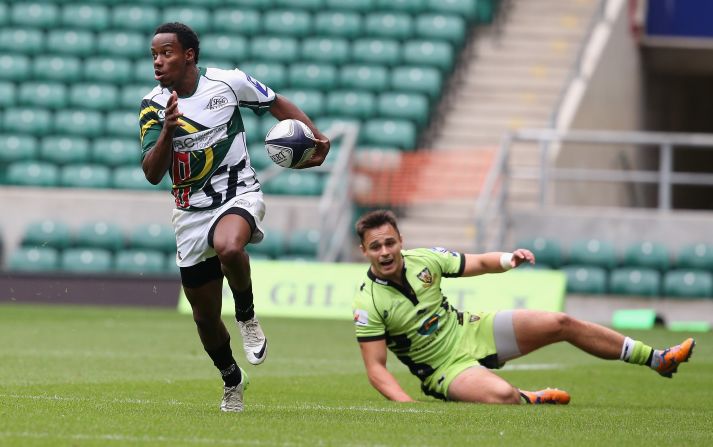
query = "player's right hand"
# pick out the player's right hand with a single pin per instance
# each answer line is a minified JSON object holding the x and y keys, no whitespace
{"x":172,"y":113}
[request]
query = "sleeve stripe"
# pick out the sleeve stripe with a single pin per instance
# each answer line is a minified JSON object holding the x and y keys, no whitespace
{"x":146,"y":127}
{"x":461,"y":269}
{"x":371,"y":338}
{"x":146,"y":110}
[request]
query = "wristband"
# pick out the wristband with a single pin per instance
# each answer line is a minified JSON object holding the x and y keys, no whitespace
{"x":505,"y":261}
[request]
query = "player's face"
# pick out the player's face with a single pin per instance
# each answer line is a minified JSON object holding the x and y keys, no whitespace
{"x":382,"y":247}
{"x":170,"y":60}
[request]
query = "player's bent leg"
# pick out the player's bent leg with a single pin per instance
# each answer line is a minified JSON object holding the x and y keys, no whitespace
{"x":479,"y":385}
{"x":206,"y":303}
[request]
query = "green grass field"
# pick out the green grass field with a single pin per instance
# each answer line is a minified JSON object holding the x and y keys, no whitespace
{"x":76,"y":376}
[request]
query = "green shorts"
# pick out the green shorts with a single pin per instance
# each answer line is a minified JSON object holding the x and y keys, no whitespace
{"x":476,"y":346}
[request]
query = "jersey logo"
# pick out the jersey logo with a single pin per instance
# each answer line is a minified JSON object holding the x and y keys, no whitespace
{"x":261,"y":88}
{"x":217,"y":102}
{"x":444,"y":250}
{"x":361,"y":317}
{"x":429,"y":326}
{"x":161,"y":115}
{"x":425,"y":277}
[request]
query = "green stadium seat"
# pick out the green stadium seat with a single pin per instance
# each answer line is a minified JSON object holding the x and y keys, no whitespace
{"x":29,"y":120}
{"x":362,"y":6}
{"x":85,"y":176}
{"x":593,"y":252}
{"x":693,"y":256}
{"x":364,"y":77}
{"x":254,"y":4}
{"x":47,"y":233}
{"x":34,"y":259}
{"x":57,"y":68}
{"x":635,"y":281}
{"x":153,"y":236}
{"x":292,"y":22}
{"x":688,"y":284}
{"x":356,"y":104}
{"x":50,"y":95}
{"x":321,"y":76}
{"x":100,"y":234}
{"x":258,"y":156}
{"x":123,"y":123}
{"x":143,"y":72}
{"x":272,"y":74}
{"x":303,"y":243}
{"x":86,"y":260}
{"x":325,"y":49}
{"x":247,"y":22}
{"x":586,"y":279}
{"x":426,"y":80}
{"x":113,"y":152}
{"x":80,"y":122}
{"x":265,"y":124}
{"x":25,"y":41}
{"x":338,"y":24}
{"x":34,"y":14}
{"x":130,"y":95}
{"x":94,"y":96}
{"x":223,"y":64}
{"x":136,"y":18}
{"x":325,"y":123}
{"x":14,"y":67}
{"x":409,"y":6}
{"x":131,"y":177}
{"x":216,"y":46}
{"x":32,"y":173}
{"x":17,"y":147}
{"x":142,"y":262}
{"x":129,"y":44}
{"x":274,"y":49}
{"x":441,"y":27}
{"x":89,"y":16}
{"x":7,"y":94}
{"x":410,"y":106}
{"x":305,"y":5}
{"x":4,"y":14}
{"x":434,"y":53}
{"x":170,"y":266}
{"x":201,"y":3}
{"x":272,"y":246}
{"x":108,"y":69}
{"x":389,"y":25}
{"x":385,"y":52}
{"x":251,"y":125}
{"x":64,"y":149}
{"x":197,"y":18}
{"x":71,"y":42}
{"x":546,"y":251}
{"x":295,"y":183}
{"x":389,"y":133}
{"x":463,"y":8}
{"x":310,"y":101}
{"x":647,"y":254}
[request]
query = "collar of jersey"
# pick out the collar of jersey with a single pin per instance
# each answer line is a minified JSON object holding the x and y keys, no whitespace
{"x":201,"y":72}
{"x":406,"y":290}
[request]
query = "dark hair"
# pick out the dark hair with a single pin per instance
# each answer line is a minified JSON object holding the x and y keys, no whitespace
{"x":375,"y":219}
{"x":185,"y":35}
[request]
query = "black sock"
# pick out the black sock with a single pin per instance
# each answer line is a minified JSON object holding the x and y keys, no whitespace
{"x":244,"y":308}
{"x":224,"y":361}
{"x":651,"y":358}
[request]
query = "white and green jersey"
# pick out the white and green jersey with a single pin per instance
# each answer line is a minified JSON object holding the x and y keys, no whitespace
{"x":210,"y":160}
{"x":418,"y":324}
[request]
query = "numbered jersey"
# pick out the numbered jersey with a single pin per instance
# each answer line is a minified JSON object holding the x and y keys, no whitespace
{"x":210,"y":161}
{"x":418,"y":324}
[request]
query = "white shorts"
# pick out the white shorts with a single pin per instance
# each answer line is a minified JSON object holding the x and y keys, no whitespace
{"x":192,"y":227}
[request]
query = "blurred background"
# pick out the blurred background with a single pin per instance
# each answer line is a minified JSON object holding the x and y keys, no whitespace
{"x":579,"y":129}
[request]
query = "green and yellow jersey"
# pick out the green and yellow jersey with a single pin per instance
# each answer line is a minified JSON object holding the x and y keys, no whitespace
{"x":210,"y":160}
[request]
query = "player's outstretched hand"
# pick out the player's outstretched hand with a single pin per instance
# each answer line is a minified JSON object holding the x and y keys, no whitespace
{"x":322,"y":145}
{"x":172,"y":113}
{"x":522,"y":255}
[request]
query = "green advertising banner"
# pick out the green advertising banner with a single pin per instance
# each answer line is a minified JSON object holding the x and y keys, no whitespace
{"x":321,"y":290}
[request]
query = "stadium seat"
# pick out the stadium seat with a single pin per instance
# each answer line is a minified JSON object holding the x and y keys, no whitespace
{"x":114,"y":152}
{"x":274,"y":49}
{"x":303,"y":243}
{"x":25,"y":41}
{"x":688,"y":284}
{"x":389,"y":133}
{"x":325,"y":123}
{"x":108,"y":69}
{"x":71,"y":42}
{"x":99,"y":234}
{"x":272,"y":74}
{"x":246,"y":22}
{"x":4,"y":14}
{"x":64,"y":149}
{"x":635,"y":281}
{"x":29,"y":120}
{"x":258,"y":156}
{"x":408,"y":6}
{"x":295,"y":183}
{"x":86,"y":260}
{"x":254,"y":4}
{"x":34,"y":14}
{"x":388,"y":25}
{"x":547,"y":251}
{"x":446,"y":27}
{"x":142,"y":262}
{"x":462,"y":8}
{"x":324,"y":49}
{"x":585,"y":279}
{"x":143,"y":71}
{"x":131,"y":177}
{"x":197,"y":18}
{"x":153,"y":236}
{"x":272,"y":246}
{"x":338,"y":24}
{"x":647,"y":254}
{"x":306,"y":5}
{"x":317,"y":76}
{"x":80,"y":122}
{"x":232,"y":48}
{"x":130,"y":95}
{"x":94,"y":96}
{"x":49,"y":67}
{"x":264,"y":125}
{"x":129,"y":44}
{"x":32,"y":173}
{"x":362,"y":6}
{"x":17,"y":147}
{"x":14,"y":67}
{"x":410,"y":106}
{"x":287,"y":22}
{"x":351,"y":103}
{"x":310,"y":101}
{"x":695,"y":256}
{"x":434,"y":53}
{"x":170,"y":267}
{"x":143,"y":18}
{"x":47,"y":233}
{"x":34,"y":259}
{"x":593,"y":252}
{"x":88,"y":16}
{"x":364,"y":77}
{"x":7,"y":94}
{"x":251,"y":124}
{"x":122,"y":123}
{"x":85,"y":176}
{"x":385,"y":52}
{"x":49,"y":95}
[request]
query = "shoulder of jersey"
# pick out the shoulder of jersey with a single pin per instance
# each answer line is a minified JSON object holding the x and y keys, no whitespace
{"x":221,"y":74}
{"x":153,"y":93}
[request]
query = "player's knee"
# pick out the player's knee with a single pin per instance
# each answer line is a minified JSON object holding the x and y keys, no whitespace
{"x":504,"y":393}
{"x":230,"y":253}
{"x":558,"y":325}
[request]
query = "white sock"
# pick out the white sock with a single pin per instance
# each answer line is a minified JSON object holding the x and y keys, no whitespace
{"x":627,"y":349}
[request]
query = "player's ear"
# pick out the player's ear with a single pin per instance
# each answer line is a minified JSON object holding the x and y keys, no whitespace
{"x":190,"y":55}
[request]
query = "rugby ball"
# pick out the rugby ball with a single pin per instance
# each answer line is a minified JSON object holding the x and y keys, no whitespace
{"x":290,"y":143}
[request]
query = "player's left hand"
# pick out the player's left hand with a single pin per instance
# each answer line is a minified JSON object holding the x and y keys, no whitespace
{"x":522,"y":255}
{"x":322,"y":145}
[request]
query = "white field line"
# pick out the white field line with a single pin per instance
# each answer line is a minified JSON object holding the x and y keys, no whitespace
{"x":533,"y":367}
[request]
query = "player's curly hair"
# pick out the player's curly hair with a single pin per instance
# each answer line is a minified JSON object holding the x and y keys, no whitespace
{"x":185,"y":35}
{"x":375,"y":219}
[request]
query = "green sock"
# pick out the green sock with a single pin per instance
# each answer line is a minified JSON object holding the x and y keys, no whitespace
{"x":635,"y":352}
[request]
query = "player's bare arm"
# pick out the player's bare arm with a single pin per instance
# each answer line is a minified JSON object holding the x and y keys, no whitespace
{"x":282,"y":108}
{"x":496,"y":261}
{"x":374,"y":355}
{"x":158,"y":160}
